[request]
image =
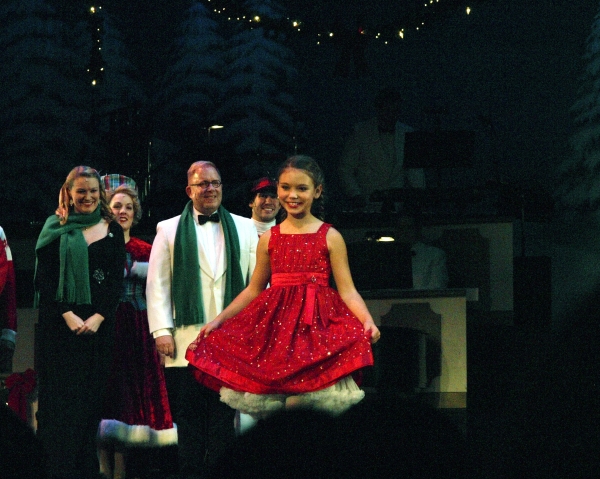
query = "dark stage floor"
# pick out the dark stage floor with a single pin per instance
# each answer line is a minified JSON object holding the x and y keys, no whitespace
{"x":533,"y":401}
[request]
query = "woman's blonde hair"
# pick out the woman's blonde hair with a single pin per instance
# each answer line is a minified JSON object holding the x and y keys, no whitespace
{"x":64,"y":196}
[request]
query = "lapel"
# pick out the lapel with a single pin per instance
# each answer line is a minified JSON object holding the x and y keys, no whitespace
{"x":222,"y":259}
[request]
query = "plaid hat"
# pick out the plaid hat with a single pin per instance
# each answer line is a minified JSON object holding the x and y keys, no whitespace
{"x":264,"y":184}
{"x":114,"y":180}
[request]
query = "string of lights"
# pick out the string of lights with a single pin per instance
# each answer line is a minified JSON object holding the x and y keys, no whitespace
{"x":96,"y":66}
{"x":413,"y":19}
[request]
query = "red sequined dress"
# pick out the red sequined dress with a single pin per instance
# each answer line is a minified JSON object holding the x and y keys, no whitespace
{"x":136,"y":410}
{"x":297,"y":337}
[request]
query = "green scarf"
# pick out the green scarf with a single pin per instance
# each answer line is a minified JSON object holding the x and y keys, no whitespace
{"x":186,"y":288}
{"x":74,"y":277}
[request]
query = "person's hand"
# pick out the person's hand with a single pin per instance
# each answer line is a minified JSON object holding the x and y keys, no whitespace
{"x":165,"y":345}
{"x":139,"y":269}
{"x":91,"y":325}
{"x":209,"y":328}
{"x":372,"y":331}
{"x":74,"y":322}
{"x":205,"y":331}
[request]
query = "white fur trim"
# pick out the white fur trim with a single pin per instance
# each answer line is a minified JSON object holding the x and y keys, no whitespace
{"x":135,"y":435}
{"x":256,"y":405}
{"x":334,"y":400}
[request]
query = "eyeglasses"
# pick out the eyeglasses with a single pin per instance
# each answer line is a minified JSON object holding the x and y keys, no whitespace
{"x":206,"y":184}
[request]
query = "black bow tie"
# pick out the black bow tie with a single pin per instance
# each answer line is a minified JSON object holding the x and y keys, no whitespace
{"x":202,"y":219}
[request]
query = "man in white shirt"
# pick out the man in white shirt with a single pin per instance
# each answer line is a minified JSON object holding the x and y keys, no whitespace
{"x":200,"y":261}
{"x":429,"y":269}
{"x":373,"y":155}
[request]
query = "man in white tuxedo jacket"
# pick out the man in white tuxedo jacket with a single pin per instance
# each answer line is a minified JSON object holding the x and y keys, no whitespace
{"x":373,"y":155}
{"x":200,"y":261}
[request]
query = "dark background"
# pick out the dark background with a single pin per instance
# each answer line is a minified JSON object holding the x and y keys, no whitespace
{"x":508,"y":71}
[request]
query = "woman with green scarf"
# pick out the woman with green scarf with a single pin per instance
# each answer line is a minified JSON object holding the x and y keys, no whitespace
{"x":79,"y":274}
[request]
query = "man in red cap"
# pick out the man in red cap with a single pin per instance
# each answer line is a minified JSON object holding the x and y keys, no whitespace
{"x":264,"y":204}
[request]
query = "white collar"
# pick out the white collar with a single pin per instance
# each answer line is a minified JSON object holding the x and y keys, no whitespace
{"x":262,"y":227}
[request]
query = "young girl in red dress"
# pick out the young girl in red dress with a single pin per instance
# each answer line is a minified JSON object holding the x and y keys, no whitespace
{"x":298,"y":342}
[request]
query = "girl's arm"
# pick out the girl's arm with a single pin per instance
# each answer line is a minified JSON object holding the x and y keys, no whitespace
{"x":343,"y":279}
{"x":258,"y":282}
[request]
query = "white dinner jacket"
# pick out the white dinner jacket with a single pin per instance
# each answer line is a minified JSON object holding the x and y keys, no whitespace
{"x":161,"y":310}
{"x":365,"y":167}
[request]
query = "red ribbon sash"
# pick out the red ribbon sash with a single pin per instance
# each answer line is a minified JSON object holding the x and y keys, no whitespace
{"x":312,"y":282}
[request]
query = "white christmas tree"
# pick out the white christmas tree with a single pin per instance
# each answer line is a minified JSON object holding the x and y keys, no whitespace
{"x":580,"y":173}
{"x":120,"y":86}
{"x":257,"y":101}
{"x":120,"y":106}
{"x":191,"y":84}
{"x":43,"y":104}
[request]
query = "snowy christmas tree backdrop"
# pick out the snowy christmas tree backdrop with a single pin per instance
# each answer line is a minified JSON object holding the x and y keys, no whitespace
{"x":81,"y":86}
{"x":72,"y":94}
{"x":581,"y":170}
{"x":135,"y":87}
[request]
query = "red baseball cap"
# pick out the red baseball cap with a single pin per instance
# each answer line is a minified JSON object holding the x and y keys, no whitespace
{"x":264,"y":184}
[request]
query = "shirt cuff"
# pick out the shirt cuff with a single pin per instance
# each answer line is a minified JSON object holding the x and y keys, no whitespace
{"x":162,"y":332}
